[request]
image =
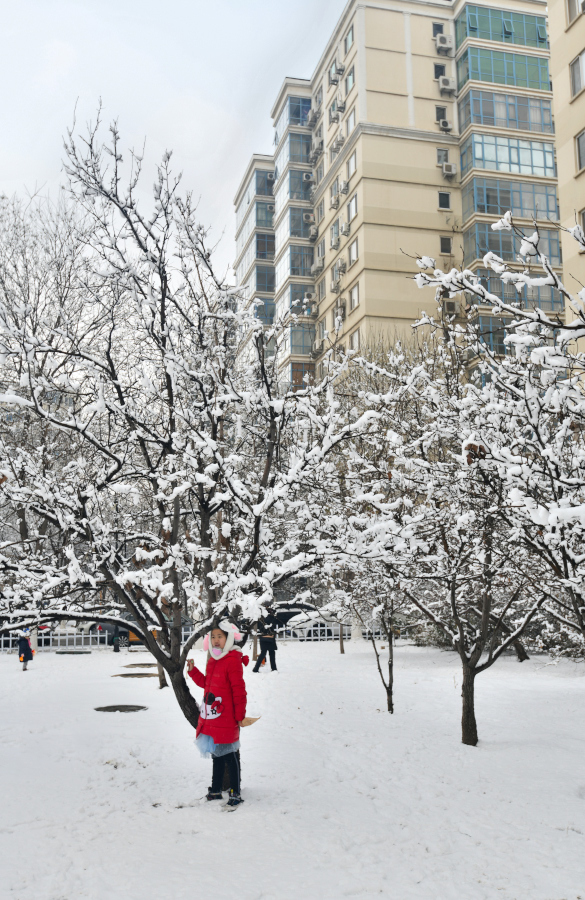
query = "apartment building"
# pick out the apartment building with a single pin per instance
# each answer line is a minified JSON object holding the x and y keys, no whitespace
{"x":422,"y":122}
{"x":567,"y":39}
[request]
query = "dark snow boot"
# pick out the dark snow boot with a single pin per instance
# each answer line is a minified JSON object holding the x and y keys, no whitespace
{"x":234,"y":800}
{"x":213,"y":795}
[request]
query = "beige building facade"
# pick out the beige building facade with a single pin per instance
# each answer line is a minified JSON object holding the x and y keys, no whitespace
{"x":422,"y":123}
{"x":567,"y":38}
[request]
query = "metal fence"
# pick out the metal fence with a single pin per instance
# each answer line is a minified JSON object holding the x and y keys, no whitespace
{"x":98,"y":640}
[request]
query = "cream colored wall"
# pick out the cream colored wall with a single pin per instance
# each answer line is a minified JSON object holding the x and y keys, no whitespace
{"x":566,"y":43}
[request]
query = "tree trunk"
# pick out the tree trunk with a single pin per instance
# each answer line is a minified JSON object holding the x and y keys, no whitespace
{"x":185,"y":699}
{"x":468,"y":723}
{"x":521,"y":653}
{"x":390,"y":688}
{"x":255,"y":645}
{"x":341,"y":644}
{"x":162,"y":681}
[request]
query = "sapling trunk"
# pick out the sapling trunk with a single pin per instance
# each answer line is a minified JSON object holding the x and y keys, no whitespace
{"x":162,"y":681}
{"x":341,"y":644}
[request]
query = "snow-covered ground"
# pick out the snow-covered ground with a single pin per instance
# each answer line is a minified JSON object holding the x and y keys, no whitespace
{"x":342,"y":799}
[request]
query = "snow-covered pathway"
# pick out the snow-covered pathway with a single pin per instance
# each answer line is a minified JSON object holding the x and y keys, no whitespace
{"x":342,"y":800}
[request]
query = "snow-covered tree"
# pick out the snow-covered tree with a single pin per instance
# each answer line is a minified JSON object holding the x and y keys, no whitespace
{"x":168,"y":477}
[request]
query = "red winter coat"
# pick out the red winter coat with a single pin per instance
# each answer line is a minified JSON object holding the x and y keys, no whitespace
{"x":224,"y":697}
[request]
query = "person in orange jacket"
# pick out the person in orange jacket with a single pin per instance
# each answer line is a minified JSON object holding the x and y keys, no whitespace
{"x":223,"y":708}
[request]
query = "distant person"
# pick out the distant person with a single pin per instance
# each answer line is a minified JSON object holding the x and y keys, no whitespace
{"x":223,"y":709}
{"x":267,"y":645}
{"x":25,"y":653}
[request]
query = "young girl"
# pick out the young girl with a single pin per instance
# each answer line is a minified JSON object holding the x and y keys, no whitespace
{"x":223,"y":707}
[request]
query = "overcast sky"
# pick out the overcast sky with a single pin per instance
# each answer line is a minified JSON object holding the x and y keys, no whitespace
{"x":196,"y":77}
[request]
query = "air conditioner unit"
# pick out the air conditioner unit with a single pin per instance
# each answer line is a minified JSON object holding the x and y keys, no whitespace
{"x":444,"y":43}
{"x":313,"y":117}
{"x":340,"y":102}
{"x":334,"y":243}
{"x":317,"y":148}
{"x":449,"y":170}
{"x":339,"y":141}
{"x":313,"y":232}
{"x":270,"y":176}
{"x":317,"y":348}
{"x":453,"y":308}
{"x":333,"y":78}
{"x":341,"y":266}
{"x":345,"y":229}
{"x":339,"y":68}
{"x":447,"y":85}
{"x":270,"y":207}
{"x":309,"y":218}
{"x":317,"y":267}
{"x":308,"y":178}
{"x":445,"y":125}
{"x":335,"y":286}
{"x":313,"y":193}
{"x":344,"y":187}
{"x":333,"y":116}
{"x":334,"y":202}
{"x":340,"y":311}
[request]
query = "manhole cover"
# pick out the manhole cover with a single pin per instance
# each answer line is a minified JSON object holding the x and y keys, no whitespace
{"x":140,"y":666}
{"x":135,"y":675}
{"x":120,"y":707}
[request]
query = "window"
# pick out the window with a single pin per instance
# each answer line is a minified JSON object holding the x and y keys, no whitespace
{"x":301,"y":374}
{"x":321,"y":290}
{"x":350,"y":122}
{"x":264,"y":246}
{"x":321,"y":249}
{"x":264,"y":183}
{"x":301,"y":260}
{"x":444,"y":200}
{"x":446,"y":244}
{"x":543,"y":297}
{"x":503,"y":68}
{"x":334,"y":189}
{"x":439,"y":70}
{"x":319,"y":97}
{"x":334,"y":234}
{"x":265,"y":279}
{"x":437,"y":28}
{"x":348,"y":43}
{"x":492,"y":332}
{"x":494,"y":197}
{"x":300,"y":147}
{"x":501,"y":25}
{"x":350,"y":80}
{"x":480,"y":239}
{"x":264,"y":310}
{"x":321,"y":211}
{"x":298,"y":226}
{"x":352,"y":208}
{"x":264,"y":214}
{"x":581,"y":150}
{"x":440,"y":113}
{"x":333,"y":76}
{"x":502,"y":154}
{"x":573,"y":9}
{"x":354,"y":340}
{"x":299,"y":189}
{"x":442,"y":156}
{"x":351,"y":165}
{"x":353,"y":252}
{"x":319,"y":172}
{"x":299,"y":109}
{"x":506,"y":111}
{"x":354,"y":296}
{"x":578,"y":74}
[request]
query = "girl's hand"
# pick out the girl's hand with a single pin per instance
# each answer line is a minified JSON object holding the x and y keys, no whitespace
{"x":190,"y":665}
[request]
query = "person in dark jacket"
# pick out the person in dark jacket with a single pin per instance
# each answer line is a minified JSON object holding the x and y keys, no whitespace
{"x":25,"y":653}
{"x":267,"y":644}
